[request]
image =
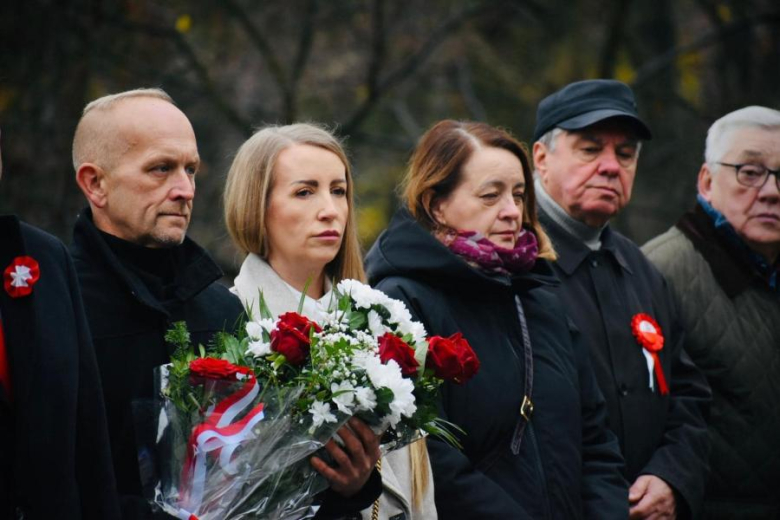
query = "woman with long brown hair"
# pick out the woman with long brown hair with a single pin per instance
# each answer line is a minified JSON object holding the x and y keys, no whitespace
{"x":467,"y":255}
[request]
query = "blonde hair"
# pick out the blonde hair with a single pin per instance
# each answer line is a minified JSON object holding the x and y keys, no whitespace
{"x":435,"y":171}
{"x":93,"y":141}
{"x":247,"y":190}
{"x":418,"y":464}
{"x":249,"y":184}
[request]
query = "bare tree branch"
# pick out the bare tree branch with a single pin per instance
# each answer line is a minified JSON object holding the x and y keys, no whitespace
{"x":413,"y":62}
{"x":612,"y":44}
{"x":378,"y":38}
{"x":213,"y":94}
{"x":406,"y":119}
{"x":274,"y":65}
{"x":660,"y":63}
{"x":305,"y":43}
{"x":466,"y":87}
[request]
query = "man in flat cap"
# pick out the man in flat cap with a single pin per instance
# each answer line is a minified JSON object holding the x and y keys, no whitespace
{"x":587,"y":141}
{"x":722,"y":261}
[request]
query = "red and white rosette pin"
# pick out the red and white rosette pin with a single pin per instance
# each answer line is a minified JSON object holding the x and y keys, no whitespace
{"x":20,"y":276}
{"x":648,"y":334}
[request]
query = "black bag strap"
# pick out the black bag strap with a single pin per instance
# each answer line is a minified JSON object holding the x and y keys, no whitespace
{"x":527,"y":406}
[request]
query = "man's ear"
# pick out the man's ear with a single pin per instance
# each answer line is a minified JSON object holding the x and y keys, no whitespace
{"x":704,"y":183}
{"x":539,"y":153}
{"x":92,"y":181}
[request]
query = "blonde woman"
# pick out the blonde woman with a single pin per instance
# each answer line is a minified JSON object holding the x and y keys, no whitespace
{"x":288,"y":207}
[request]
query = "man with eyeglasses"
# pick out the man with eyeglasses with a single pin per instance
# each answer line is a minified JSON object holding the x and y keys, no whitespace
{"x":722,"y":262}
{"x":588,"y":137}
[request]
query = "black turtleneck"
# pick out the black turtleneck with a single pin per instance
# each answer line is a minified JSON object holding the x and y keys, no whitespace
{"x":156,"y":267}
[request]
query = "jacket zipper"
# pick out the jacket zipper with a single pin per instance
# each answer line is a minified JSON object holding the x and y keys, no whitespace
{"x":537,"y":460}
{"x":530,"y":433}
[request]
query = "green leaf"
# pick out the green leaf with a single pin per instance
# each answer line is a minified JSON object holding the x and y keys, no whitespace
{"x":384,"y":396}
{"x":446,"y":431}
{"x":233,"y":351}
{"x":265,"y":312}
{"x":178,"y":335}
{"x":357,"y":320}
{"x":344,"y":303}
{"x":303,"y":295}
{"x":383,"y":311}
{"x":421,"y":355}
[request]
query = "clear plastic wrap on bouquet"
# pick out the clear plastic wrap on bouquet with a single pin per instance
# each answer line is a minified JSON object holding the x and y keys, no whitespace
{"x":238,"y":420}
{"x":241,"y":457}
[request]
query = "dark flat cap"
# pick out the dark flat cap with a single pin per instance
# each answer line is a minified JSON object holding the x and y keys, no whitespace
{"x":584,"y":103}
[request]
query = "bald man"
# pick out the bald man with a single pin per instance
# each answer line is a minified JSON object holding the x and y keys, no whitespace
{"x":136,"y":160}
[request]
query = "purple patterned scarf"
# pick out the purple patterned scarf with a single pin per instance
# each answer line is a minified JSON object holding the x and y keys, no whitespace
{"x":481,"y":253}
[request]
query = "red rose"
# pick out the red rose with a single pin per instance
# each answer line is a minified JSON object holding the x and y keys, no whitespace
{"x":452,"y":358}
{"x":291,"y":337}
{"x":212,"y":368}
{"x":393,"y":347}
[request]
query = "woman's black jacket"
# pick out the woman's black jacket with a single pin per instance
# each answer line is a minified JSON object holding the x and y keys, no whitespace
{"x":569,"y":464}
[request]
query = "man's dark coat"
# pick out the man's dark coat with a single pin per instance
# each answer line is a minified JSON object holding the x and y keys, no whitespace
{"x":661,"y":435}
{"x":128,"y":325}
{"x":54,"y":452}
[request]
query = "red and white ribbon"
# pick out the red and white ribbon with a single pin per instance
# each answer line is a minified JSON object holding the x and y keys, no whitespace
{"x":648,"y":334}
{"x":20,"y":276}
{"x":219,"y":435}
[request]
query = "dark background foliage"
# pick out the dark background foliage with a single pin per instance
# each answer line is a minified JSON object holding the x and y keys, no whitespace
{"x":380,"y":72}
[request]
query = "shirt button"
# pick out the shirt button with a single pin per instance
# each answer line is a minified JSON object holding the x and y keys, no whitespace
{"x":623,"y":390}
{"x":594,"y":262}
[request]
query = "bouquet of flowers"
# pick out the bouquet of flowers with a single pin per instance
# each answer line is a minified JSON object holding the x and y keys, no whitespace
{"x":239,"y":420}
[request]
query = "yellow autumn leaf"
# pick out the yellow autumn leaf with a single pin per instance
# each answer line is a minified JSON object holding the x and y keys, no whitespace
{"x":724,"y":12}
{"x":689,"y":69}
{"x":6,"y":97}
{"x":184,"y":23}
{"x":371,"y":221}
{"x":624,"y":71}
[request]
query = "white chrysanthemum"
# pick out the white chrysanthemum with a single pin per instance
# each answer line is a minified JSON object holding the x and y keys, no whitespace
{"x":390,"y":420}
{"x":345,"y":399}
{"x":258,"y":348}
{"x":383,"y":375}
{"x":254,"y":330}
{"x":398,"y":312}
{"x":375,"y":324}
{"x":362,"y":359}
{"x":363,"y":295}
{"x":403,"y":398}
{"x":389,"y":376}
{"x":321,"y":414}
{"x":268,"y":324}
{"x":366,"y":398}
{"x":417,"y":330}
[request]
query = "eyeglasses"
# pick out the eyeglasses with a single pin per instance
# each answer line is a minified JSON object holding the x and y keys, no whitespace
{"x":753,"y":175}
